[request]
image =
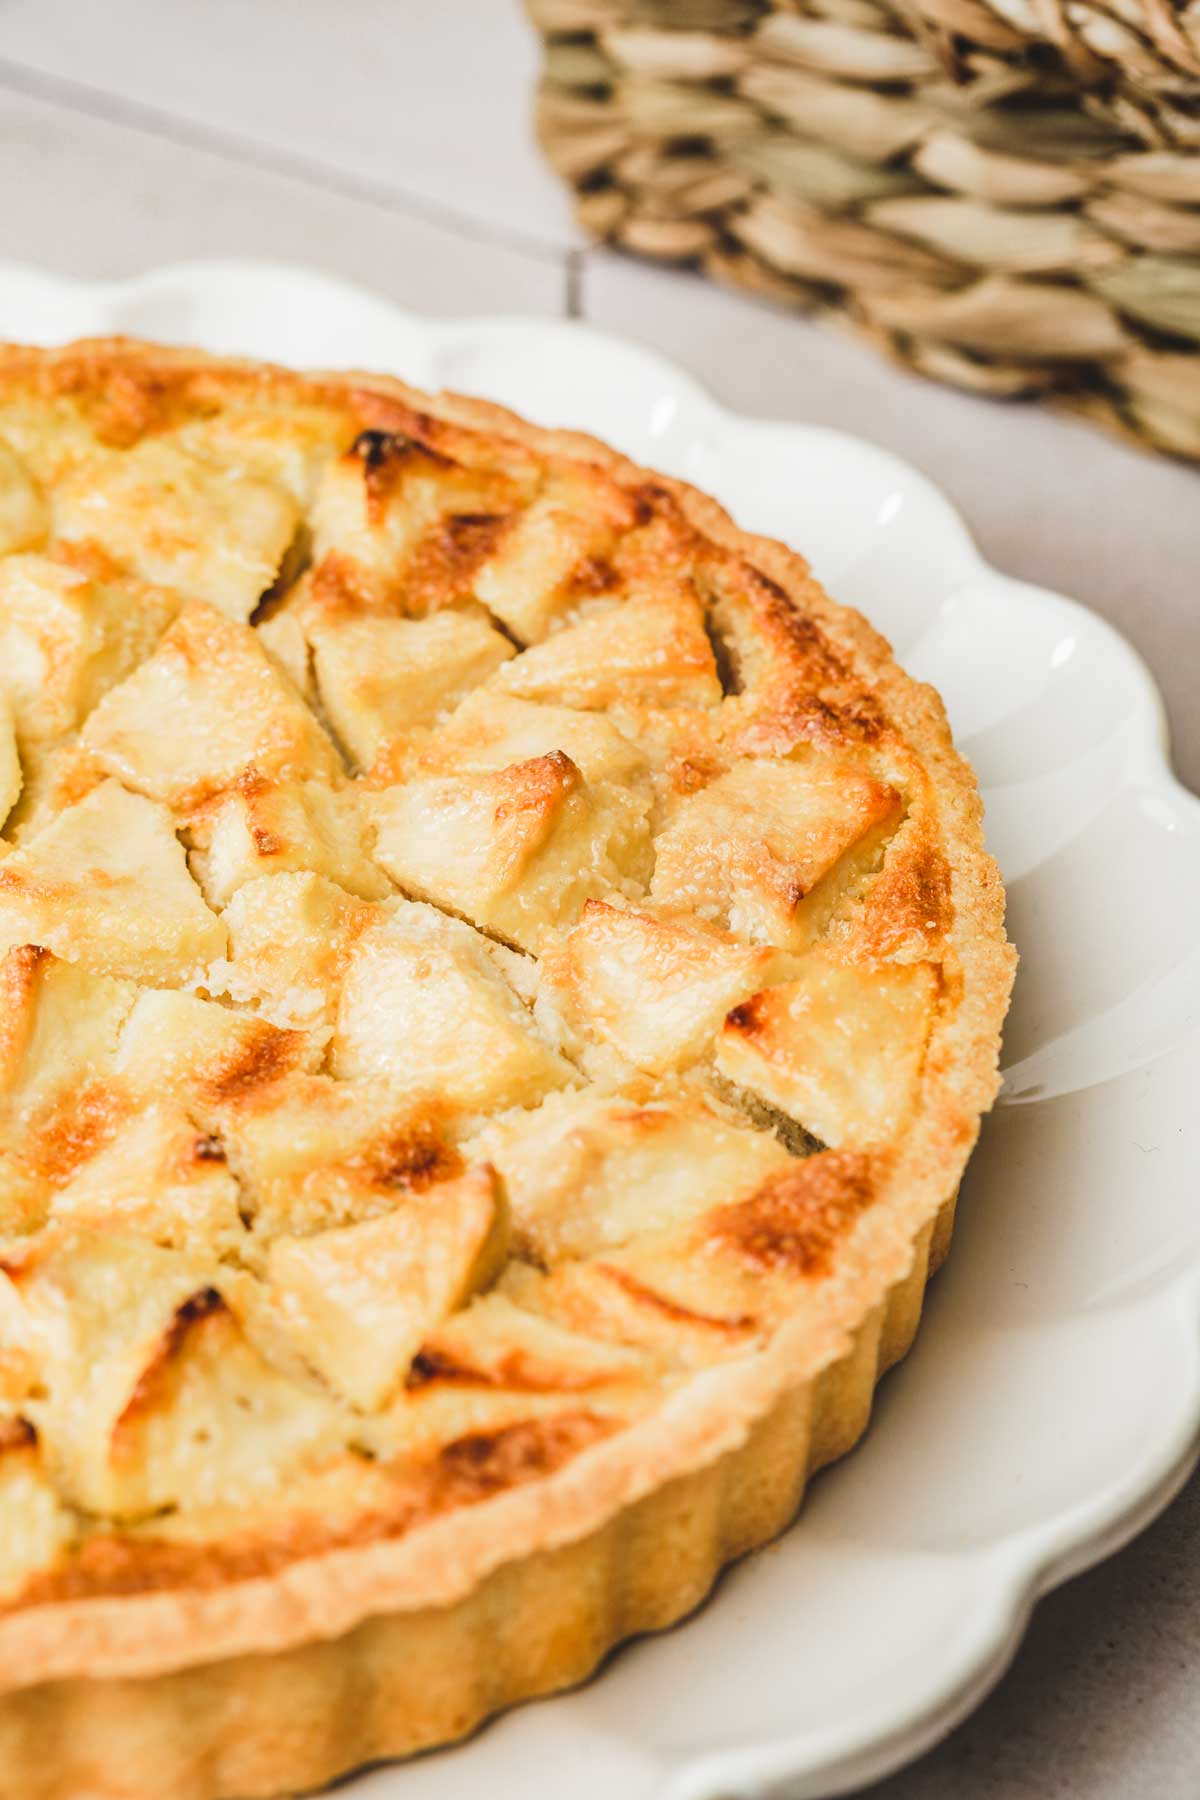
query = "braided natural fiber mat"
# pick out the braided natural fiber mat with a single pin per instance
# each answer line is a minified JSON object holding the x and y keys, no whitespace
{"x":1001,"y":193}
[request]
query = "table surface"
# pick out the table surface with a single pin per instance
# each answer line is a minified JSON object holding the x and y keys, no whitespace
{"x":391,"y":145}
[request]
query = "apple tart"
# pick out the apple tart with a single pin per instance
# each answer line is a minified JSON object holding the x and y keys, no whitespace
{"x":499,"y":981}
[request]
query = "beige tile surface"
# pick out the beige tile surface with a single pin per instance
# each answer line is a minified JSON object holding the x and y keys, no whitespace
{"x":89,"y":196}
{"x":388,"y":143}
{"x":427,"y":101}
{"x":1046,"y":498}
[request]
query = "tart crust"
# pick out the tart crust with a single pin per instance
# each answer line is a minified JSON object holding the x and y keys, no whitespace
{"x":274,"y":1681}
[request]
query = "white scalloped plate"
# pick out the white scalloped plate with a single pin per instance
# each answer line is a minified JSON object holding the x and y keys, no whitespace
{"x":1052,"y":1403}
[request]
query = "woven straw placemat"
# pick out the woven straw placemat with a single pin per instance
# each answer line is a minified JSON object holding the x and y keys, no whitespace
{"x":1004,"y":194}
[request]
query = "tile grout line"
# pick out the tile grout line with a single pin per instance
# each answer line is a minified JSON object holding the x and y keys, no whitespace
{"x":235,"y":147}
{"x":574,"y":270}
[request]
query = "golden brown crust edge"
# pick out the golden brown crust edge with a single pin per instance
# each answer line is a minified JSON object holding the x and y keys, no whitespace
{"x":436,"y":1573}
{"x":402,"y":1682}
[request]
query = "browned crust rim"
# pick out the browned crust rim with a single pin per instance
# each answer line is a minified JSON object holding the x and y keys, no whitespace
{"x":324,"y":1596}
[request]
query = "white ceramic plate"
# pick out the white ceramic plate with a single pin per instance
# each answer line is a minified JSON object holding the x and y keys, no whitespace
{"x":1052,"y":1403}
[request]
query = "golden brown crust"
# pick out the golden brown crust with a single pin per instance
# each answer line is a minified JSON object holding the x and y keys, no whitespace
{"x":464,"y":1472}
{"x":141,"y":1613}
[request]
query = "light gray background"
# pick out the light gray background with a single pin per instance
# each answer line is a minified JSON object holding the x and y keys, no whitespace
{"x":389,"y":142}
